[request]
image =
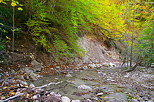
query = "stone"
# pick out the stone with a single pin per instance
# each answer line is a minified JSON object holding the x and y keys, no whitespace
{"x":35,"y":97}
{"x":58,"y":67}
{"x":149,"y":101}
{"x":100,"y":94}
{"x":92,"y":65}
{"x":85,"y":67}
{"x":68,"y":75}
{"x":127,"y":75}
{"x":106,"y":64}
{"x":27,"y":70}
{"x":117,"y":97}
{"x":36,"y":65}
{"x":134,"y":100}
{"x":98,"y":65}
{"x":88,"y":100}
{"x":85,"y":87}
{"x":112,"y":64}
{"x":34,"y":76}
{"x":75,"y":101}
{"x":31,"y":85}
{"x":24,"y":83}
{"x":17,"y":93}
{"x":30,"y":75}
{"x":152,"y":65}
{"x":65,"y":99}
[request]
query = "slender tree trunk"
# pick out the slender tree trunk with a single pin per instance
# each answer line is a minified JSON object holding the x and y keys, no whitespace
{"x":132,"y":37}
{"x":13,"y":34}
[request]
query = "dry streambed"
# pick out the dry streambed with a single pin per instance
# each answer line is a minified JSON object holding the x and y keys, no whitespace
{"x":93,"y":85}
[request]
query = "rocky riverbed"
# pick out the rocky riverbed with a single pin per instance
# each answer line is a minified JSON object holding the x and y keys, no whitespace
{"x":104,"y":84}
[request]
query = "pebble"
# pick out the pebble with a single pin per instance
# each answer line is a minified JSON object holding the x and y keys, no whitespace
{"x":31,"y":85}
{"x":134,"y":100}
{"x":65,"y":99}
{"x":100,"y":94}
{"x":127,"y":75}
{"x":23,"y":82}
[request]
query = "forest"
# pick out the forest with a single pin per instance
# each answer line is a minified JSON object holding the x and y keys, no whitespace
{"x":53,"y":42}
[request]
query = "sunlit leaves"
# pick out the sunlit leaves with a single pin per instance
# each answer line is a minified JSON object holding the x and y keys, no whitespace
{"x":109,"y":16}
{"x":13,"y":4}
{"x":1,"y":1}
{"x":19,"y":8}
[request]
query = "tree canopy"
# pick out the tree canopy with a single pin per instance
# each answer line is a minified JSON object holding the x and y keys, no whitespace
{"x":57,"y":24}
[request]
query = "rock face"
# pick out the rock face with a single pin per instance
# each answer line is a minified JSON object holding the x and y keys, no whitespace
{"x":96,"y":51}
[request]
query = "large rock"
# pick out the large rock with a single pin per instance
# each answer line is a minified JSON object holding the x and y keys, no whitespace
{"x":85,"y":87}
{"x":117,"y":97}
{"x":36,"y":65}
{"x":65,"y":99}
{"x":68,"y":75}
{"x":30,"y":75}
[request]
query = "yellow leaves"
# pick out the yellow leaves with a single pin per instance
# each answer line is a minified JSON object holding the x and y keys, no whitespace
{"x":20,"y":9}
{"x":13,"y":4}
{"x":120,"y":13}
{"x":12,"y":93}
{"x":119,"y":36}
{"x":102,"y":97}
{"x":16,"y":3}
{"x":8,"y":38}
{"x":1,"y":1}
{"x":129,"y":43}
{"x":5,"y":87}
{"x":122,"y":21}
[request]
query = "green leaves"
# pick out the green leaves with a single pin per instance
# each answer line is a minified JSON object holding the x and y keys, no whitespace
{"x":147,"y":42}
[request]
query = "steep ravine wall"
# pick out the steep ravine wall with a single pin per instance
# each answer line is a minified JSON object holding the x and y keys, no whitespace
{"x":97,"y":51}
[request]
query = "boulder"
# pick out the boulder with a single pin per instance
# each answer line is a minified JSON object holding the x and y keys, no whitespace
{"x":68,"y":75}
{"x":65,"y":99}
{"x":36,"y":65}
{"x":85,"y":87}
{"x":35,"y":97}
{"x":30,"y":75}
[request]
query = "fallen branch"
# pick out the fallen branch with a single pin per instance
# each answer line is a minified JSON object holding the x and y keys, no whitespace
{"x":52,"y":83}
{"x":13,"y":97}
